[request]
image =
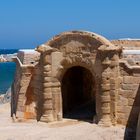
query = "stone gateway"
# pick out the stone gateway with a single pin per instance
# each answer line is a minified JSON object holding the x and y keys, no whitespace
{"x":79,"y":75}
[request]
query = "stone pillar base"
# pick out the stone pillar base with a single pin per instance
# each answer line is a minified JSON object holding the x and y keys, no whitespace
{"x":105,"y":123}
{"x":47,"y":118}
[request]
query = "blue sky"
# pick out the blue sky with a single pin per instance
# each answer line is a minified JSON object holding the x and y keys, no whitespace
{"x":28,"y":23}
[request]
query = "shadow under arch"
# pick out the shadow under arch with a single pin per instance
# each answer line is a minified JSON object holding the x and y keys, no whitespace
{"x":78,"y":94}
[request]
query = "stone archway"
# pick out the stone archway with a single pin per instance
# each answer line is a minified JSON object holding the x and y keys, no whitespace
{"x":78,"y":94}
{"x":88,"y":50}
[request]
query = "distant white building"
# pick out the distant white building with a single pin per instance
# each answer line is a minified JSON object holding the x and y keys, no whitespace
{"x":129,"y":39}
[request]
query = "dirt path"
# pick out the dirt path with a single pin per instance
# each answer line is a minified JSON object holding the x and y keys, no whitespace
{"x":66,"y":130}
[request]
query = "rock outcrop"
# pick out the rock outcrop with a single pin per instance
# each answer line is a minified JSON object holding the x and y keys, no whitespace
{"x":2,"y":59}
{"x":5,"y":98}
{"x":7,"y":57}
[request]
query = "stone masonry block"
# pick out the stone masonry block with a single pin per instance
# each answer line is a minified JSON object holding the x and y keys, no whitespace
{"x":48,"y":90}
{"x":48,"y":74}
{"x":105,"y":98}
{"x":131,"y":80}
{"x":129,"y":86}
{"x":47,"y":68}
{"x":106,"y":110}
{"x":48,"y":96}
{"x":120,"y":109}
{"x":48,"y":106}
{"x":56,"y":90}
{"x":127,"y":93}
{"x":112,"y":86}
{"x":105,"y":87}
{"x":51,"y":84}
{"x":123,"y":101}
{"x":50,"y":79}
{"x":130,"y":101}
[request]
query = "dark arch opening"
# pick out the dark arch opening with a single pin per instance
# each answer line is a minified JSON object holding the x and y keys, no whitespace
{"x":78,"y":94}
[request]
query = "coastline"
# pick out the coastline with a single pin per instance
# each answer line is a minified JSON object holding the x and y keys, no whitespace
{"x":6,"y":76}
{"x":7,"y":68}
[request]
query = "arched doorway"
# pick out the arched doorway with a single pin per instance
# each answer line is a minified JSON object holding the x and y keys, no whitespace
{"x":78,"y":94}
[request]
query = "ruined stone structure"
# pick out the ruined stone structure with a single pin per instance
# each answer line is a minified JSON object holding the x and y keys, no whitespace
{"x":79,"y":71}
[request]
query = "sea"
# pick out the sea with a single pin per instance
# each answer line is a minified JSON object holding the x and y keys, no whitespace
{"x":7,"y":71}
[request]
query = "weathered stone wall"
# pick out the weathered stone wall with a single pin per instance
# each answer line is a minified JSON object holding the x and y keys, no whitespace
{"x":128,"y":103}
{"x":132,"y":57}
{"x":129,"y":95}
{"x":28,"y":56}
{"x":23,"y":97}
{"x":129,"y":44}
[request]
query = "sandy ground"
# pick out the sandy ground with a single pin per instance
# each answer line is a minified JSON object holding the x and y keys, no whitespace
{"x":66,"y":130}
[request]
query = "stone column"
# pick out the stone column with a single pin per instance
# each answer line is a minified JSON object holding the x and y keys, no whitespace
{"x":105,"y":98}
{"x":51,"y":85}
{"x":47,"y":90}
{"x":114,"y":86}
{"x":57,"y":57}
{"x":109,"y":85}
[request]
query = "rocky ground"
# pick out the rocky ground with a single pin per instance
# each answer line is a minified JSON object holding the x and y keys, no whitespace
{"x":66,"y":130}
